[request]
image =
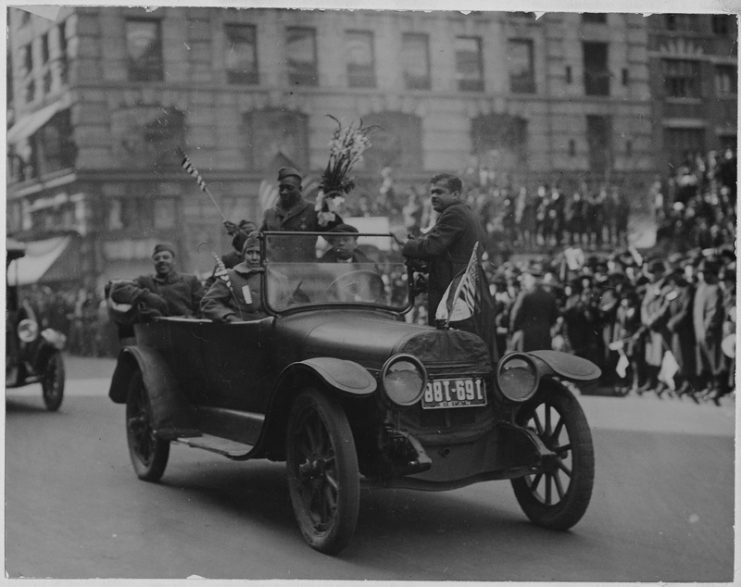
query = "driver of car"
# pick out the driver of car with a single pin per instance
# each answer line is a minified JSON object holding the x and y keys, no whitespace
{"x":344,"y":246}
{"x":236,"y":295}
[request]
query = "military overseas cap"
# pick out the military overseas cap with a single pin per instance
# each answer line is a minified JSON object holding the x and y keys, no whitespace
{"x":285,"y":172}
{"x":252,"y":241}
{"x":159,"y":247}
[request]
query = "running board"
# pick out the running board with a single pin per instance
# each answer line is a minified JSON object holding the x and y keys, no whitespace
{"x":222,"y":446}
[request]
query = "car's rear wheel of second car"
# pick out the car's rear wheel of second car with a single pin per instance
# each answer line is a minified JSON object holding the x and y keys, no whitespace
{"x":322,"y":472}
{"x":148,"y":453}
{"x":557,"y":496}
{"x":52,"y":382}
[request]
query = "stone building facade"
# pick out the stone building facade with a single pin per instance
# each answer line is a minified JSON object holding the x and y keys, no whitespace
{"x":693,"y":68}
{"x":101,"y":98}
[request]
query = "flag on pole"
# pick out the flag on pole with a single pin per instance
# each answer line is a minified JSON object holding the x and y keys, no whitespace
{"x":189,"y":168}
{"x":461,"y":298}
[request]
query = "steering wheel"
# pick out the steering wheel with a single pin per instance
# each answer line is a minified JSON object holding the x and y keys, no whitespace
{"x":350,"y":286}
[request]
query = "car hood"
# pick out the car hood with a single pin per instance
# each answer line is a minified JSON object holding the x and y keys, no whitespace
{"x":369,"y":338}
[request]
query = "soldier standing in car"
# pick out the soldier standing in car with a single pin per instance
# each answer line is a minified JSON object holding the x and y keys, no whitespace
{"x":293,"y":213}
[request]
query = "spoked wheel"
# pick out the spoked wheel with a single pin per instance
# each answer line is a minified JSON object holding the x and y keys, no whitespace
{"x":322,"y":472}
{"x":558,"y":494}
{"x":52,"y":382}
{"x":148,"y":453}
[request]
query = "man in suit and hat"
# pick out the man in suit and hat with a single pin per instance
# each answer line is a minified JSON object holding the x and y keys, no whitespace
{"x":293,"y":213}
{"x":534,"y":313}
{"x":707,"y":319}
{"x":654,"y":318}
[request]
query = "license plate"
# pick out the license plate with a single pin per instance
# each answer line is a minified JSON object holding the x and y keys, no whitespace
{"x":459,"y":392}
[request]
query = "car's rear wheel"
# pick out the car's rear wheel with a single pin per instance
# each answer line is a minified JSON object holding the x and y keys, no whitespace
{"x":322,"y":472}
{"x":52,"y":382}
{"x":558,"y":494}
{"x":148,"y":453}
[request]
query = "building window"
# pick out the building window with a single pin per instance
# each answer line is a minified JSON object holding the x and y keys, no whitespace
{"x":241,"y":54}
{"x":681,"y":78}
{"x":415,"y":61}
{"x":625,"y":76}
{"x":721,"y":24}
{"x":596,"y":72}
{"x":144,"y":47}
{"x":62,"y":33}
{"x":162,"y":136}
{"x":396,"y":143}
{"x":165,"y":212}
{"x":27,"y":59}
{"x":45,"y":48}
{"x":572,"y":148}
{"x":726,"y":82}
{"x":521,"y":67}
{"x":599,"y":144}
{"x":301,"y":56}
{"x":30,"y":93}
{"x":682,"y":143}
{"x":682,"y":22}
{"x":594,"y":17}
{"x":469,"y":67}
{"x":46,"y":82}
{"x":132,"y":212}
{"x":361,"y":69}
{"x":275,"y":133}
{"x":628,"y":148}
{"x":55,"y":149}
{"x":568,"y":74}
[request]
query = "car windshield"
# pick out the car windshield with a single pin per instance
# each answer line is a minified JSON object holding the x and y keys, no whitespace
{"x":316,"y":269}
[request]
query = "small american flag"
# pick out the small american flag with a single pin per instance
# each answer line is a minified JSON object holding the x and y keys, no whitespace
{"x":461,"y":298}
{"x":188,"y":166}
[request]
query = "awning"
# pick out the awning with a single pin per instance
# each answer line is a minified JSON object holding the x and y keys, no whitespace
{"x":32,"y":122}
{"x":46,"y":261}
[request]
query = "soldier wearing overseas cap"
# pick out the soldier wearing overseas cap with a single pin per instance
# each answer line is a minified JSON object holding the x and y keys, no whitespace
{"x":181,"y":292}
{"x":293,"y":213}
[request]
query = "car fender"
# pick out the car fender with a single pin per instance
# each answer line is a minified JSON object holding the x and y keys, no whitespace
{"x":172,"y":414}
{"x":568,"y":366}
{"x":346,"y":379}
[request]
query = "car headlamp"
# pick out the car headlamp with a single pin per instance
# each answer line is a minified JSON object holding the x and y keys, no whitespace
{"x":404,"y":379}
{"x":517,"y":377}
{"x":28,"y":330}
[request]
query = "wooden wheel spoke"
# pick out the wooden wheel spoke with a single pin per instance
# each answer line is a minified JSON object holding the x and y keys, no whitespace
{"x":559,"y":486}
{"x":548,"y":489}
{"x":557,"y":429}
{"x":564,"y":468}
{"x":538,"y":425}
{"x":535,"y":482}
{"x":547,"y":430}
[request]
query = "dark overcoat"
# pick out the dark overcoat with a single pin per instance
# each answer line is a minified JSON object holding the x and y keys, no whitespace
{"x":534,"y":313}
{"x":447,"y":248}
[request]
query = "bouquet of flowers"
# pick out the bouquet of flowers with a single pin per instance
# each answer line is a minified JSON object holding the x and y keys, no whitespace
{"x":345,"y":151}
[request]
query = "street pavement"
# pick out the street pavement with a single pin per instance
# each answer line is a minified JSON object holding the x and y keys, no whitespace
{"x":662,"y":507}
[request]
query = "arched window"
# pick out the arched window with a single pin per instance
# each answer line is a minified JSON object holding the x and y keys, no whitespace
{"x":500,"y":144}
{"x":268,"y":133}
{"x":396,"y":142}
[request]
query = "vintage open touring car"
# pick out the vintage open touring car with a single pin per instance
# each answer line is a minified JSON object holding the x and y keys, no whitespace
{"x":32,"y":354}
{"x":334,"y":381}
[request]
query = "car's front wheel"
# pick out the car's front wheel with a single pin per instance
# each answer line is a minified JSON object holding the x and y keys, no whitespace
{"x":322,"y":472}
{"x":148,"y":453}
{"x":558,"y":494}
{"x":52,"y":382}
